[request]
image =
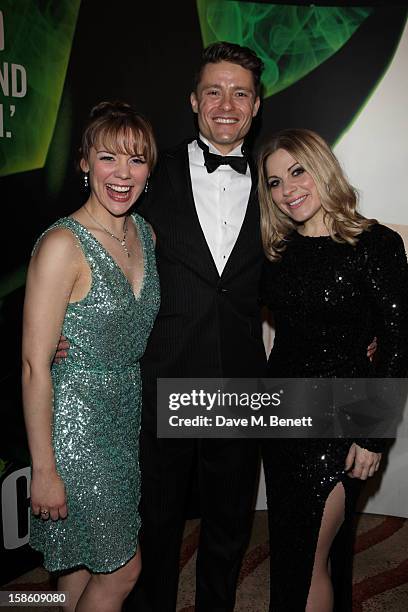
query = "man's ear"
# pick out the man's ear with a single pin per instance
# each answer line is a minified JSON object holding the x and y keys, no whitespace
{"x":256,"y":106}
{"x":194,"y":102}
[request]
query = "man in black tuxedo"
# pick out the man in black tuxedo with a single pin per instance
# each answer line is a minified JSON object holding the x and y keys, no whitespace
{"x":203,"y":207}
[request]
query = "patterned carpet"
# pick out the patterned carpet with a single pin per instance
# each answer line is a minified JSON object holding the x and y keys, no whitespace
{"x":380,"y":568}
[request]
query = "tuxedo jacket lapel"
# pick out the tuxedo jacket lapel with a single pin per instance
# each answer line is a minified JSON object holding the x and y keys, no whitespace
{"x":180,"y":178}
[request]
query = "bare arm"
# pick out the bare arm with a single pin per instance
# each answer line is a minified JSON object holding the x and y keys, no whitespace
{"x":52,"y":274}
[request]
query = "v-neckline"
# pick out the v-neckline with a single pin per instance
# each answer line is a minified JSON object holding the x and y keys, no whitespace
{"x":113,"y":260}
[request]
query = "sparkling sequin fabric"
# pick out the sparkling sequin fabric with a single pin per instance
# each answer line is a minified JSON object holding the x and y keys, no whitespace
{"x":97,"y":406}
{"x":329,"y":300}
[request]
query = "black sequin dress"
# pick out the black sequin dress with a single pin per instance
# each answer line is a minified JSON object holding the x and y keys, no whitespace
{"x":329,"y":300}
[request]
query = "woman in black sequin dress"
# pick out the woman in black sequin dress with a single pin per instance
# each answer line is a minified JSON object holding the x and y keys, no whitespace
{"x":333,"y":280}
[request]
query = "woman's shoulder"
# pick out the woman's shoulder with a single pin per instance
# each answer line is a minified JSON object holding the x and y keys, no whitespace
{"x":56,"y":260}
{"x":57,"y":239}
{"x":380,"y":235}
{"x":382,"y":247}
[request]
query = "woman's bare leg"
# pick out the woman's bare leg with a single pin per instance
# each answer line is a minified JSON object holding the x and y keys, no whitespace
{"x":320,"y":597}
{"x":107,"y":592}
{"x":73,"y":584}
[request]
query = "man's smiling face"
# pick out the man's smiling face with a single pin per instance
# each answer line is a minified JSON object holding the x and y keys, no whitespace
{"x":225,"y":102}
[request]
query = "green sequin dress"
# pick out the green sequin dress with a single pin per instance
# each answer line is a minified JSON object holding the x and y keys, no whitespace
{"x":97,"y":409}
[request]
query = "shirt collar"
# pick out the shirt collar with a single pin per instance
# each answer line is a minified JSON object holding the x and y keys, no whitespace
{"x":235,"y":152}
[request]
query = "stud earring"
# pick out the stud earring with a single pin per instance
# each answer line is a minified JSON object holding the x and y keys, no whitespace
{"x":86,"y":181}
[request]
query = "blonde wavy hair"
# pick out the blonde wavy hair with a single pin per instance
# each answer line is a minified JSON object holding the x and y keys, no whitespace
{"x":338,"y":198}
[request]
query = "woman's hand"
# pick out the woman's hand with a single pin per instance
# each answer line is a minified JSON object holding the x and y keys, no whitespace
{"x":361,"y":463}
{"x":48,"y":498}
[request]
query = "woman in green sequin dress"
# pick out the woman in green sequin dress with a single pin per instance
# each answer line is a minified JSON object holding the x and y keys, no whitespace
{"x":92,"y":278}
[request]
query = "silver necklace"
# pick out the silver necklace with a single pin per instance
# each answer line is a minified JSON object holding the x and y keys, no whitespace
{"x":125,"y":229}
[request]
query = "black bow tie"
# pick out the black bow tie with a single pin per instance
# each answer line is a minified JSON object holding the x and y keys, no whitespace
{"x":212,"y":161}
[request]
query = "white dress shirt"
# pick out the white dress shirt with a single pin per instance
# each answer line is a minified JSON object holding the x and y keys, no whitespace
{"x":221,"y":200}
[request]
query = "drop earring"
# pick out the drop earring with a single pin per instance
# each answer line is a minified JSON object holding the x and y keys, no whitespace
{"x":147,"y":185}
{"x":86,"y":181}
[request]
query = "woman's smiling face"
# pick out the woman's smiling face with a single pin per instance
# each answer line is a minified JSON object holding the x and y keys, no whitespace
{"x":292,"y":188}
{"x":116,"y":179}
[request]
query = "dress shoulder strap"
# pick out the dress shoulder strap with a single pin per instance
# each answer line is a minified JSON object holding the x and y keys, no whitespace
{"x":145,"y":233}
